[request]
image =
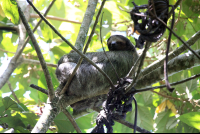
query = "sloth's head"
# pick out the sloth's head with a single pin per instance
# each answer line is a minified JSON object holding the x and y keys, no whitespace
{"x":119,"y":43}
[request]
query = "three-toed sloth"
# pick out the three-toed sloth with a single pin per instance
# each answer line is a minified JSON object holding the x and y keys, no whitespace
{"x":88,"y":80}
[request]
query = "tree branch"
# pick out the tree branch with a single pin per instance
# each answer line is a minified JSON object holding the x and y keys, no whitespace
{"x":171,"y":55}
{"x":177,"y":36}
{"x":39,"y":53}
{"x":85,"y":49}
{"x":13,"y":93}
{"x":28,"y":38}
{"x":181,"y":62}
{"x":21,"y":45}
{"x":39,"y":89}
{"x":175,"y":6}
{"x":71,"y":120}
{"x":11,"y":28}
{"x":15,"y":62}
{"x":36,"y":62}
{"x":89,"y":13}
{"x":139,"y":66}
{"x":172,"y":84}
{"x":55,"y":18}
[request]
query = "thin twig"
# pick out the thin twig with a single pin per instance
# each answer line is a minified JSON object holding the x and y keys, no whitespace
{"x":55,"y":18}
{"x":104,"y":49}
{"x":167,"y":51}
{"x":6,"y":51}
{"x":177,"y":36}
{"x":148,"y":44}
{"x":82,"y":34}
{"x":172,"y":84}
{"x":13,"y":93}
{"x":175,"y":6}
{"x":179,"y":14}
{"x":71,"y":119}
{"x":36,"y":62}
{"x":39,"y":54}
{"x":154,"y":10}
{"x":39,"y":89}
{"x":80,"y":53}
{"x":167,"y":96}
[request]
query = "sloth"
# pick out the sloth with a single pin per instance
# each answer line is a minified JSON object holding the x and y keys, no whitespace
{"x":88,"y":80}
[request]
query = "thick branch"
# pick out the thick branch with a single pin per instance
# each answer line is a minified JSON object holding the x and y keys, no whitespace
{"x":85,"y":49}
{"x":50,"y":111}
{"x":85,"y":24}
{"x":171,"y":55}
{"x":181,"y":62}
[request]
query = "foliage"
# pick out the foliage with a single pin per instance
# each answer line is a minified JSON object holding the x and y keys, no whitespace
{"x":158,"y":111}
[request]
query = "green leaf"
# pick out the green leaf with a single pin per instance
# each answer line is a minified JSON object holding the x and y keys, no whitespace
{"x":144,"y":118}
{"x":46,"y":32}
{"x":161,"y":121}
{"x":12,"y":105}
{"x":63,"y":124}
{"x":85,"y":122}
{"x":30,"y":118}
{"x":20,"y":129}
{"x":13,"y":121}
{"x":191,"y":119}
{"x":7,"y":44}
{"x":11,"y":11}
